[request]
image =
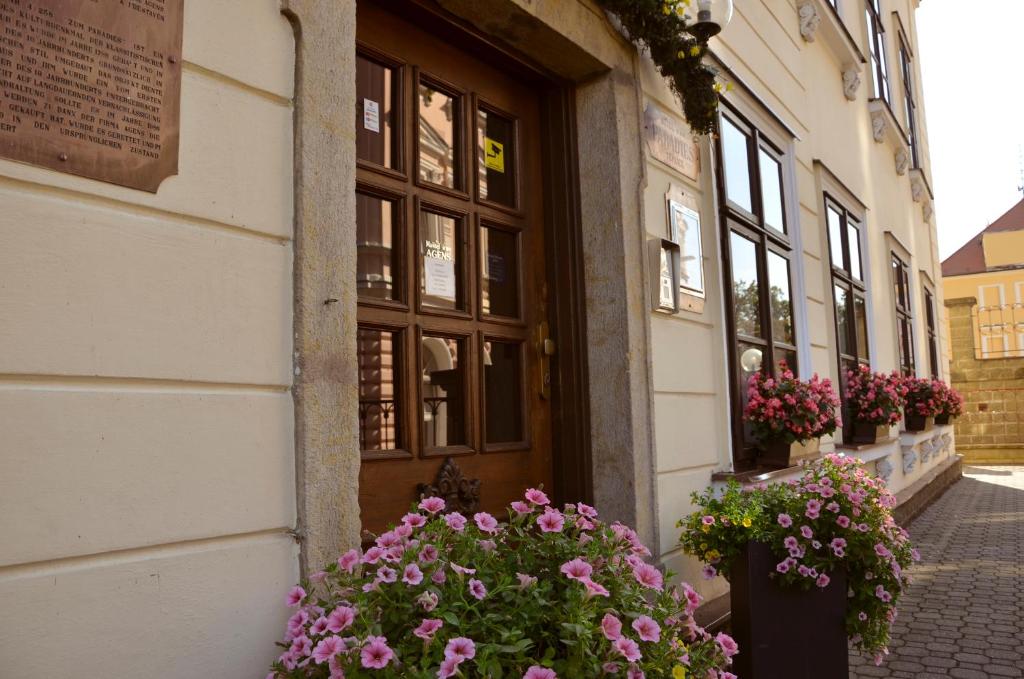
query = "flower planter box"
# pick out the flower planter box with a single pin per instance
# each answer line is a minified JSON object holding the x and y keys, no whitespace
{"x":786,"y":631}
{"x":942,"y":419}
{"x":781,"y":455}
{"x":864,"y":432}
{"x":916,"y":423}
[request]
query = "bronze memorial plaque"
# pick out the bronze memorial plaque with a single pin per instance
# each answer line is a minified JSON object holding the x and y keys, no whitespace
{"x":92,"y":87}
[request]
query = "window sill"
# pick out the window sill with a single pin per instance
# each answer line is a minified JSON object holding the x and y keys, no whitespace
{"x":869,"y":452}
{"x":819,"y":18}
{"x":758,"y":475}
{"x":886,"y":129}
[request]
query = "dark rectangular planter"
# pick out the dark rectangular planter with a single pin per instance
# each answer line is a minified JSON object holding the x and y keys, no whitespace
{"x":786,"y":632}
{"x":915,"y":423}
{"x":774,"y":453}
{"x":942,"y":419}
{"x":868,"y":433}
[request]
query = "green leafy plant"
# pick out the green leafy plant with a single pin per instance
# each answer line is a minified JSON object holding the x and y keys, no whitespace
{"x":661,"y":27}
{"x":836,"y":516}
{"x":549,"y":593}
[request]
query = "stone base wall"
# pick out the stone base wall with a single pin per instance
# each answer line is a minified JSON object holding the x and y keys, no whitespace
{"x":993,"y":389}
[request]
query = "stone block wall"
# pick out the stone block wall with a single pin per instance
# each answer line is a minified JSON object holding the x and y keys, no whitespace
{"x":992,"y":426}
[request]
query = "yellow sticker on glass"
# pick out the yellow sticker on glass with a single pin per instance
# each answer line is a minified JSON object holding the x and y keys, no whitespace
{"x":494,"y":155}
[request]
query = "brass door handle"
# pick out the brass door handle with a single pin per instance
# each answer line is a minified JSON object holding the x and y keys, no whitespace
{"x":546,"y":348}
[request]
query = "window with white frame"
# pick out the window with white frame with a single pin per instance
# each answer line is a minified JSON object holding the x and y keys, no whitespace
{"x":910,"y":102}
{"x":876,"y":47}
{"x":932,"y":335}
{"x":904,"y":315}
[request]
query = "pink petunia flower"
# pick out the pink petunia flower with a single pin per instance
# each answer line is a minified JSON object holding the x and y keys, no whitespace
{"x":785,"y":520}
{"x":526,"y":581}
{"x":462,"y":570}
{"x":648,"y":576}
{"x":709,"y":572}
{"x":551,"y":521}
{"x":628,"y":648}
{"x":428,"y":628}
{"x":477,"y":589}
{"x":486,"y":522}
{"x":428,"y":600}
{"x":611,"y":627}
{"x":373,"y":555}
{"x":647,"y":629}
{"x":576,"y":569}
{"x":341,"y":618}
{"x":349,"y":560}
{"x":843,"y":521}
{"x":318,"y":627}
{"x":521,"y":508}
{"x":428,"y":554}
{"x":295,"y":596}
{"x":635,"y":673}
{"x":538,"y":672}
{"x":449,"y":666}
{"x":594,"y":588}
{"x":806,"y":532}
{"x":586,"y":510}
{"x":387,"y":574}
{"x":413,"y":520}
{"x":727,"y":644}
{"x":412,"y":575}
{"x":537,"y":497}
{"x":455,"y":521}
{"x":327,"y":649}
{"x":461,"y":648}
{"x":432,"y":505}
{"x":376,"y":654}
{"x":823,"y":580}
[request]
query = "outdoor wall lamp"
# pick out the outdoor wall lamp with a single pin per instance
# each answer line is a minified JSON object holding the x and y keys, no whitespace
{"x":712,"y":17}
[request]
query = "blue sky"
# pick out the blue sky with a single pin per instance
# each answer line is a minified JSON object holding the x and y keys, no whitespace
{"x":971,"y":57}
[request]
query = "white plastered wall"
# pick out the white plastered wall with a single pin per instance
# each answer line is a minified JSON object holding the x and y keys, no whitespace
{"x":146,"y":423}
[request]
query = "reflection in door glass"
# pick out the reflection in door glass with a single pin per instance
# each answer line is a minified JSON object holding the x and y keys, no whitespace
{"x":842,"y":299}
{"x":745,"y":289}
{"x":379,"y":414}
{"x":735,"y":149}
{"x":444,"y":392}
{"x":771,"y":191}
{"x":496,"y":158}
{"x":499,"y":267}
{"x":781,"y":299}
{"x":439,"y":261}
{"x":503,"y":391}
{"x":375,"y":247}
{"x":439,"y":124}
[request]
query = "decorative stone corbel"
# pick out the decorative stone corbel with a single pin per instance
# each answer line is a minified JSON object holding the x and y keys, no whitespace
{"x":926,"y":450}
{"x":878,"y":125}
{"x":917,"y":188}
{"x":902,"y":161}
{"x":809,"y":20}
{"x":884,"y":469}
{"x":947,"y":443}
{"x":909,"y":459}
{"x":851,"y":82}
{"x":927,"y":210}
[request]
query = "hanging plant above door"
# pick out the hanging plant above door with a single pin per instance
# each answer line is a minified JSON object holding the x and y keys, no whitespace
{"x":677,"y":44}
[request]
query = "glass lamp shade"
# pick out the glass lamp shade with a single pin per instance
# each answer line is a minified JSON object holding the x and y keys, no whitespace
{"x":712,"y":17}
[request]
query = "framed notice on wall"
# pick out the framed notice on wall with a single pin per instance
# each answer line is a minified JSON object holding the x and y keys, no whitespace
{"x":684,"y":229}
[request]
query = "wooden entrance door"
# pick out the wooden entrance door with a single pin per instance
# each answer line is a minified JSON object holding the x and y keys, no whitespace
{"x":453,"y":301}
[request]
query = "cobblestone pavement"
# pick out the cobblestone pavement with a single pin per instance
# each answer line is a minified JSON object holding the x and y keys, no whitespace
{"x":964,"y":615}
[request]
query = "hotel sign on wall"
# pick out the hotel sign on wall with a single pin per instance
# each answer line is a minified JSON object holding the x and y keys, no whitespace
{"x":92,"y":87}
{"x":670,"y":141}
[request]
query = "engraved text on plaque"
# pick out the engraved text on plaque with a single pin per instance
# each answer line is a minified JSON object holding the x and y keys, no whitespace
{"x":92,"y":87}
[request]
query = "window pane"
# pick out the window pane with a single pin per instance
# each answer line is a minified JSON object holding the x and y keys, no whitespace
{"x":853,"y":238}
{"x":860,"y":319}
{"x":771,"y":191}
{"x":376,"y":86}
{"x":439,"y":125}
{"x":376,"y":266}
{"x":496,"y":158}
{"x":440,"y":261}
{"x":781,"y":299}
{"x":499,"y":267}
{"x":735,"y":149}
{"x":899,"y":293}
{"x":745,"y":288}
{"x":444,"y":392}
{"x":787,"y":356}
{"x":750,"y":358}
{"x":835,"y":238}
{"x":503,"y":388}
{"x":378,"y":352}
{"x":842,"y":300}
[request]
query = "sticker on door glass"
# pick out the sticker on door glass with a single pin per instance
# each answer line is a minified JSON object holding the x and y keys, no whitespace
{"x":494,"y":155}
{"x":495,"y":268}
{"x":371,"y":115}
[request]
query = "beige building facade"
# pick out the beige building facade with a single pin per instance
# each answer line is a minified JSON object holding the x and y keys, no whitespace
{"x":195,"y":381}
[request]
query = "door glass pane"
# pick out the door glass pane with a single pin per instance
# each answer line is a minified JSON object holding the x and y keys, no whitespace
{"x":439,"y":128}
{"x":835,"y":238}
{"x":503,"y":391}
{"x":440,"y":263}
{"x":499,"y":266}
{"x":860,"y":319}
{"x":750,"y":358}
{"x":745,"y":288}
{"x":376,"y":266}
{"x":376,"y":88}
{"x":496,"y":158}
{"x":781,"y":299}
{"x":853,"y":235}
{"x":735,"y":149}
{"x":771,"y":191}
{"x":842,"y":300}
{"x":378,"y":354}
{"x":444,"y":391}
{"x":787,"y":356}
